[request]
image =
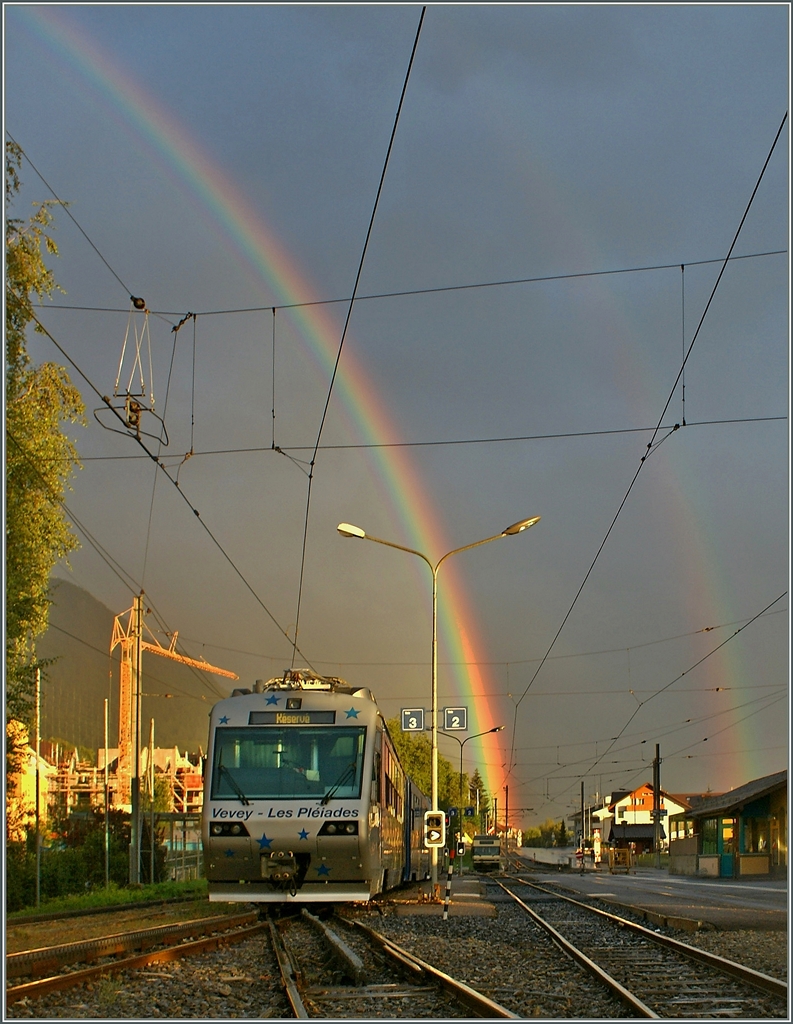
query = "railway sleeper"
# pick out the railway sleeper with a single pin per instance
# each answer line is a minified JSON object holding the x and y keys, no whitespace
{"x":348,"y":960}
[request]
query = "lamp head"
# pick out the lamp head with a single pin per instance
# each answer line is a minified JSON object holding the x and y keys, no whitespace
{"x":347,"y":530}
{"x":497,"y":728}
{"x":524,"y":524}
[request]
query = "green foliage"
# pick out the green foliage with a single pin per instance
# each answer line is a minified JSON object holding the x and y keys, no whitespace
{"x":74,"y":860}
{"x":85,"y":754}
{"x":415,"y":753}
{"x":477,"y":785}
{"x":40,"y":457}
{"x":163,"y":794}
{"x":549,"y":833}
{"x":116,"y":896}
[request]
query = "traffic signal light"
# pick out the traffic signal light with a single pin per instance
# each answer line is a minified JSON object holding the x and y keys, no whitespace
{"x":434,"y":828}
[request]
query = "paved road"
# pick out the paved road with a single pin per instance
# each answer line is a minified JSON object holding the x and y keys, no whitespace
{"x":720,"y":902}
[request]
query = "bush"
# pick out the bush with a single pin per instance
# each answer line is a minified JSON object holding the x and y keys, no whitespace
{"x":74,"y":862}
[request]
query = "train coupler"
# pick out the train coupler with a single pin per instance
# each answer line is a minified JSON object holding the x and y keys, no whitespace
{"x":280,"y":869}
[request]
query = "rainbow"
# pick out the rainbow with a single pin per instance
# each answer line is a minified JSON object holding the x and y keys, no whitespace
{"x":268,"y":260}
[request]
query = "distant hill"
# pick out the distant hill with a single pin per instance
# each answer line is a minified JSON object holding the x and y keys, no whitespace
{"x":84,"y":674}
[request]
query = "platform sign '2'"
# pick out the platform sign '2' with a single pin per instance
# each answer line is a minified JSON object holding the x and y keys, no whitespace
{"x":455,"y":719}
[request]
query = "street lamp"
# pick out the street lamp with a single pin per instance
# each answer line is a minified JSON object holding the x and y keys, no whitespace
{"x":347,"y":530}
{"x":496,"y":728}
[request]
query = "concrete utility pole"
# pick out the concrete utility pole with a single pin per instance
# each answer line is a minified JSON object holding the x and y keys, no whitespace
{"x":657,"y":805}
{"x":151,"y":795}
{"x":38,"y":787}
{"x":506,"y":818}
{"x":130,"y":638}
{"x":107,"y":818}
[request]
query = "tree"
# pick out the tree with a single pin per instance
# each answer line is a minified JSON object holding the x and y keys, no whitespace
{"x":40,"y":457}
{"x":543,"y":835}
{"x":478,"y":786}
{"x":415,"y":753}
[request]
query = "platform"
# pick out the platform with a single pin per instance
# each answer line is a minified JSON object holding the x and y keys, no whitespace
{"x":467,"y":900}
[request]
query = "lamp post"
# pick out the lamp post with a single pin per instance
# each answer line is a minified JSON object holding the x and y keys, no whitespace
{"x":496,"y":728}
{"x":347,"y":530}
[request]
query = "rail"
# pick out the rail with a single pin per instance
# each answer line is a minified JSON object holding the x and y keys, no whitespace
{"x":729,"y":989}
{"x":226,"y":930}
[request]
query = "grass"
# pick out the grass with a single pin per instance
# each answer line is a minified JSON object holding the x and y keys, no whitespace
{"x":647,"y":860}
{"x":115,"y":896}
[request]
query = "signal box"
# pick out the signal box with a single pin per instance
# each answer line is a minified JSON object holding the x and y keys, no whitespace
{"x":434,"y":828}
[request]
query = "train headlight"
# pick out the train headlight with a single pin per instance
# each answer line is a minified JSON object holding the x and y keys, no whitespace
{"x":339,"y":828}
{"x":228,"y":828}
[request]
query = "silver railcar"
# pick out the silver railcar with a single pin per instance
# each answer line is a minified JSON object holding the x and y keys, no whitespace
{"x":486,"y":853}
{"x":305,"y":799}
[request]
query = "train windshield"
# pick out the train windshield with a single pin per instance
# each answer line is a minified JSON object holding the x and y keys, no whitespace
{"x":288,"y":763}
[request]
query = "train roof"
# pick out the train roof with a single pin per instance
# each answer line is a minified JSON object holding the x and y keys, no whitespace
{"x":305,"y":681}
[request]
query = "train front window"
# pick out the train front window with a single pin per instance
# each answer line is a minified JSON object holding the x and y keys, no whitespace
{"x":271,"y":763}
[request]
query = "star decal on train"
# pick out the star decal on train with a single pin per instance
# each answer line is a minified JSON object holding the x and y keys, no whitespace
{"x":302,"y":834}
{"x":223,"y":720}
{"x":323,"y":869}
{"x":352,"y":713}
{"x":272,"y":699}
{"x":229,"y":853}
{"x":264,"y":842}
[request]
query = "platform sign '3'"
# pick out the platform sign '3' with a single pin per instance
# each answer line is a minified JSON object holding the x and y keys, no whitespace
{"x":412,"y":719}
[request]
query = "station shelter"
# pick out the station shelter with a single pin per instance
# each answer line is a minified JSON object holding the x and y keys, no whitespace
{"x":734,"y":835}
{"x":638,"y":838}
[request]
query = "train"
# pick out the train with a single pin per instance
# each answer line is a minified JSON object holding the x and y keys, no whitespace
{"x":305,"y":798}
{"x":486,"y":853}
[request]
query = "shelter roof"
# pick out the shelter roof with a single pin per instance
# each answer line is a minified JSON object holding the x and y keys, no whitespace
{"x":737,"y":798}
{"x":632,"y":833}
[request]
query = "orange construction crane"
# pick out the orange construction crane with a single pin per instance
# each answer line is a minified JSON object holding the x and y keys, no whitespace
{"x":128,"y":633}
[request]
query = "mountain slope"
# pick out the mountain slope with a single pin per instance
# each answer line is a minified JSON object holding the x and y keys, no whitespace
{"x":84,"y":674}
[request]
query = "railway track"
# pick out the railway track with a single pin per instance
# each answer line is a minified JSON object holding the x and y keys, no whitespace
{"x":346,"y":969}
{"x":652,"y":974}
{"x":162,"y":943}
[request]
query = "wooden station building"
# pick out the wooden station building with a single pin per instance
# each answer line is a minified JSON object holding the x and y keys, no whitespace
{"x":734,"y":835}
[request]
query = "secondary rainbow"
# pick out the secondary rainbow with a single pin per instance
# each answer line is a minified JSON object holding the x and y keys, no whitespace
{"x":245,"y":233}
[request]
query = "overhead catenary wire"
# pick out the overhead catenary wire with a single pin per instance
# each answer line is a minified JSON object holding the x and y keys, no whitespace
{"x":346,"y":327}
{"x":485,"y":441}
{"x":65,"y":207}
{"x":151,"y":678}
{"x":156,"y":477}
{"x":118,"y":570}
{"x":115,"y":567}
{"x":676,"y":754}
{"x":439,"y":290}
{"x":643,"y":459}
{"x":255,"y":450}
{"x":511,"y":662}
{"x":179,"y":490}
{"x":662,"y":689}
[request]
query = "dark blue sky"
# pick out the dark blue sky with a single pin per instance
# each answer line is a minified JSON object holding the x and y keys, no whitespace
{"x":534,"y":141}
